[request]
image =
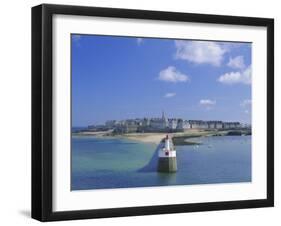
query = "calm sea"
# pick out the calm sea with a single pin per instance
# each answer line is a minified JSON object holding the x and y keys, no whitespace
{"x":99,"y":163}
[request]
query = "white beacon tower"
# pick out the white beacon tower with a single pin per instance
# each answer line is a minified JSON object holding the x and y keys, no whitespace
{"x":167,"y":158}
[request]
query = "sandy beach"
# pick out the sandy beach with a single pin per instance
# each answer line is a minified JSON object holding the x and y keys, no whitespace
{"x":157,"y":137}
{"x":145,"y":137}
{"x":93,"y":133}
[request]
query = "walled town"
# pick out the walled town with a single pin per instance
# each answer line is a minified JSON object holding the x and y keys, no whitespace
{"x":163,"y":124}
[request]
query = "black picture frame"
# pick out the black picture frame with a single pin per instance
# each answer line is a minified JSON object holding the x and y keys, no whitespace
{"x":42,"y":107}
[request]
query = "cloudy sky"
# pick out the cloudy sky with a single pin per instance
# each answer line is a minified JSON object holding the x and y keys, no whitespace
{"x":124,"y":77}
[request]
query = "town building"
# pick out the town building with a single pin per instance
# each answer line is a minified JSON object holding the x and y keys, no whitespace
{"x":159,"y":123}
{"x":163,"y":124}
{"x":198,"y":124}
{"x":231,"y":125}
{"x":172,"y":123}
{"x":183,"y":125}
{"x":214,"y":124}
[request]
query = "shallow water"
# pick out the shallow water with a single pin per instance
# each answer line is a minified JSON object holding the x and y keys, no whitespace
{"x":119,"y":163}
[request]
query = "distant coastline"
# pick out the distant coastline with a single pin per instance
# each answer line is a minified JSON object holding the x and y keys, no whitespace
{"x":153,"y":130}
{"x":179,"y":138}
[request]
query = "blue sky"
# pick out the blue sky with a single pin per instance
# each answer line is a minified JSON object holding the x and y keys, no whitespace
{"x":127,"y":77}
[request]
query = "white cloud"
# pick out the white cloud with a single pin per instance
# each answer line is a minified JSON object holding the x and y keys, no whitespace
{"x":236,"y":62}
{"x":244,"y":77}
{"x":171,"y":74}
{"x":169,"y":95}
{"x":200,"y":52}
{"x":207,"y":102}
{"x":246,"y":103}
{"x":139,"y":41}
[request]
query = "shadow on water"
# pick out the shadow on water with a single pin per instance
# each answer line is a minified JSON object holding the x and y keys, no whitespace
{"x":162,"y":178}
{"x":151,"y":166}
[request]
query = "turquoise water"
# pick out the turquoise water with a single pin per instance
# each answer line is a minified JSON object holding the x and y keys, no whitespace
{"x":99,"y":163}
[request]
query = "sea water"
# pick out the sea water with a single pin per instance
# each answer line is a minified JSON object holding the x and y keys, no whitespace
{"x":100,"y":163}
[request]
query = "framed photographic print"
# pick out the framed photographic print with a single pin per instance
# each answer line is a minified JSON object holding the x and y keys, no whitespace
{"x":146,"y":112}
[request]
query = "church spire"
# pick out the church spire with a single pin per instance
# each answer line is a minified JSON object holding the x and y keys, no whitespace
{"x":163,"y":115}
